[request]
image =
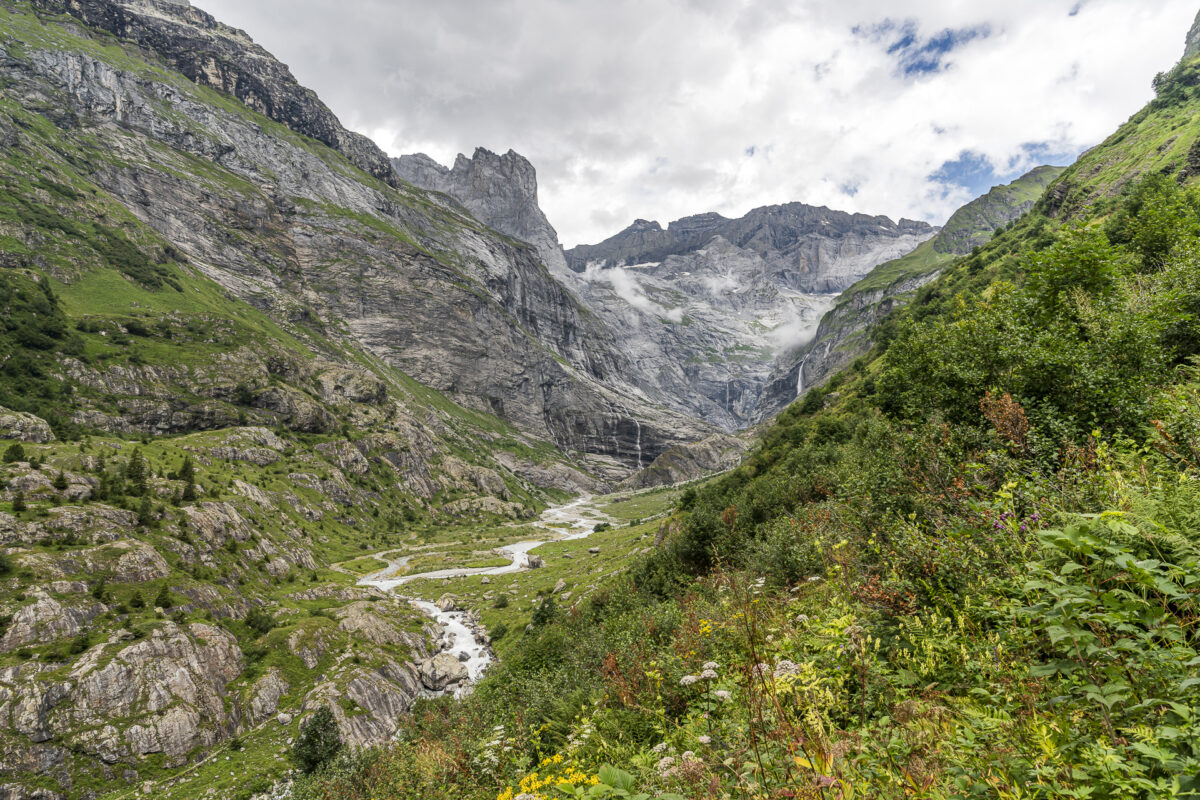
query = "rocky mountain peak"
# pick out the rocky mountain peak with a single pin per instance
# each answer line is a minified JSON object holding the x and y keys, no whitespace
{"x":220,"y":57}
{"x":498,"y":190}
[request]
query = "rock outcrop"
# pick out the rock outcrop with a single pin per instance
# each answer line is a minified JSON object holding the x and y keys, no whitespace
{"x":498,"y":190}
{"x":24,"y":427}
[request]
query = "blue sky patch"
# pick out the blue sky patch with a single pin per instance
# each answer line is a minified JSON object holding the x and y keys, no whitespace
{"x":916,"y":55}
{"x":977,"y":174}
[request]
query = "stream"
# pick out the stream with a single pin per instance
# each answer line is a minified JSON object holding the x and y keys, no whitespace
{"x":458,"y":639}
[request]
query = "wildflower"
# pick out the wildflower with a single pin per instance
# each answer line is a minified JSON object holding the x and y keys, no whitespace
{"x":688,"y":755}
{"x":708,"y":675}
{"x":722,"y":695}
{"x":760,"y":669}
{"x":711,"y":665}
{"x":705,"y":740}
{"x":661,"y":747}
{"x":688,"y":680}
{"x":786,"y":667}
{"x":664,"y":765}
{"x":813,"y":578}
{"x":802,"y":618}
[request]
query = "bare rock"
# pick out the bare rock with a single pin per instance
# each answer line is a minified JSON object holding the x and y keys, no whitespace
{"x":46,"y":619}
{"x":24,"y":427}
{"x":442,"y":671}
{"x":265,"y":696}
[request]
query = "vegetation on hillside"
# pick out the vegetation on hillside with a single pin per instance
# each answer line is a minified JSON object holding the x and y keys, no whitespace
{"x":970,"y":571}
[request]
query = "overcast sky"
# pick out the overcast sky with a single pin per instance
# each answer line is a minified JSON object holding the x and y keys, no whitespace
{"x":663,"y":108}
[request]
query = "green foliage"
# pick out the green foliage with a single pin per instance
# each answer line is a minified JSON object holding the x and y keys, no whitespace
{"x":318,"y":742}
{"x":545,"y":612}
{"x":18,"y":502}
{"x":260,"y":621}
{"x":13,"y":453}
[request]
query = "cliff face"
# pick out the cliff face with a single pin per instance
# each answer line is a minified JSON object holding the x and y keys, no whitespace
{"x":211,"y":54}
{"x":707,"y":304}
{"x":325,"y":236}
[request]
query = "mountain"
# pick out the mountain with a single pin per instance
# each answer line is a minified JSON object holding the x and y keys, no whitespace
{"x":842,"y":334}
{"x":804,"y":248}
{"x":217,"y":153}
{"x":238,"y":353}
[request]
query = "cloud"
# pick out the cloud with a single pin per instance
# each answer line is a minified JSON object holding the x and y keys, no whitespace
{"x":625,"y":286}
{"x":632,"y":109}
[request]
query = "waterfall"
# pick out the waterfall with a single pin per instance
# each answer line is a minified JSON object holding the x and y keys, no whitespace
{"x":639,"y":440}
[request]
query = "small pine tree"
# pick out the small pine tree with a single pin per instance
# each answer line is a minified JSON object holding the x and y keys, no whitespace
{"x":187,"y":472}
{"x":80,"y":643}
{"x":146,"y":512}
{"x":260,"y":621}
{"x":137,"y":601}
{"x":14,"y":453}
{"x":135,"y":472}
{"x":60,"y":481}
{"x":318,"y":742}
{"x":18,"y":502}
{"x":163,"y":600}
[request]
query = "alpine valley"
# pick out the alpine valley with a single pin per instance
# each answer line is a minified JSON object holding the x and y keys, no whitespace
{"x":332,"y":475}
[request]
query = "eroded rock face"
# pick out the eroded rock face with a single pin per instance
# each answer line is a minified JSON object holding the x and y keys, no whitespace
{"x":47,"y":619}
{"x":24,"y":427}
{"x":125,"y":561}
{"x":297,"y":235}
{"x":166,"y":691}
{"x":226,"y":59}
{"x":805,"y":248}
{"x":687,"y":462}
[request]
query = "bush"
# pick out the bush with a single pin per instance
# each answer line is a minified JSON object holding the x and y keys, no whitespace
{"x":260,"y":621}
{"x":318,"y":742}
{"x":14,"y":453}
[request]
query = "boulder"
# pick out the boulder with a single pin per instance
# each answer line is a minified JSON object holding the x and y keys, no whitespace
{"x":536,"y":562}
{"x":447,"y":602}
{"x":441,"y":672}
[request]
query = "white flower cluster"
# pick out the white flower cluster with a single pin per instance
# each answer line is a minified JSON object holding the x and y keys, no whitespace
{"x":786,"y":667}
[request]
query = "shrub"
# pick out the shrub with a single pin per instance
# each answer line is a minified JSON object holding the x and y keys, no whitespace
{"x":260,"y":621}
{"x":318,"y":741}
{"x":14,"y":453}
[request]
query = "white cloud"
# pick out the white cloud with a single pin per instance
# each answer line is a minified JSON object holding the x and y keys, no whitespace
{"x":626,"y":287}
{"x":631,"y":109}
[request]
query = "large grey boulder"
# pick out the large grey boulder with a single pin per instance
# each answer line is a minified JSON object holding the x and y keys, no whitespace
{"x":441,"y":672}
